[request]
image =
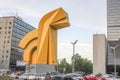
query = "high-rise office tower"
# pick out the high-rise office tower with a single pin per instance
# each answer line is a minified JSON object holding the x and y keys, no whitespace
{"x":12,"y":29}
{"x":113,"y":20}
{"x":113,"y":34}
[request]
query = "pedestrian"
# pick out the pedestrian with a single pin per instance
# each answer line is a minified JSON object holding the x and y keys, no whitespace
{"x":47,"y":76}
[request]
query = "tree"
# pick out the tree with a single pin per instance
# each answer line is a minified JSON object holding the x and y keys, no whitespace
{"x":81,"y":64}
{"x":64,"y":66}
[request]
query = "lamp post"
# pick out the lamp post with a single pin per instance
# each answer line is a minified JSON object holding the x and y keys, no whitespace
{"x":58,"y":62}
{"x":114,"y":58}
{"x":73,"y":64}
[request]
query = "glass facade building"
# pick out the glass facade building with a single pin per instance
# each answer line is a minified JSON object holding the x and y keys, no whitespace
{"x":12,"y":30}
{"x":113,"y":20}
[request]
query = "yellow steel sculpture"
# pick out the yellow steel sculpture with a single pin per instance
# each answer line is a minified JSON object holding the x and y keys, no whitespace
{"x":40,"y":45}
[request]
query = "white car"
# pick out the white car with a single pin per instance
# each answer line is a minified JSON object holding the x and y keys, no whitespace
{"x":14,"y":75}
{"x":33,"y":77}
{"x":24,"y":76}
{"x":108,"y":77}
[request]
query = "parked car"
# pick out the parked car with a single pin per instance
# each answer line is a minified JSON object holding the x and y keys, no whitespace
{"x":73,"y":76}
{"x":42,"y":76}
{"x":14,"y":75}
{"x":54,"y":76}
{"x":57,"y":77}
{"x":33,"y":77}
{"x":24,"y":76}
{"x":108,"y":77}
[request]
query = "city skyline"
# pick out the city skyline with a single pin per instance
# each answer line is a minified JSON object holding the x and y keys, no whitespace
{"x":86,"y":19}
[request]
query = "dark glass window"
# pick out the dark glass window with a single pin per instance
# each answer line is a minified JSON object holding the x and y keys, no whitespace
{"x":9,"y":32}
{"x":9,"y":27}
{"x":9,"y":22}
{"x":8,"y":41}
{"x":7,"y":51}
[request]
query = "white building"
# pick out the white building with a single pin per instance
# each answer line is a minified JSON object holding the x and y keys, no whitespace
{"x":99,"y":53}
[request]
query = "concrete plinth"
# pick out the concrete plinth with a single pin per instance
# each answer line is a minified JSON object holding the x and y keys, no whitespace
{"x":39,"y":68}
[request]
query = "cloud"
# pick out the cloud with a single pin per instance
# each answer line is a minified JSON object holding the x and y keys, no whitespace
{"x":65,"y":50}
{"x":87,"y":15}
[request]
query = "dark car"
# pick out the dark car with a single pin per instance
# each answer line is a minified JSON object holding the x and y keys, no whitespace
{"x":57,"y":77}
{"x":67,"y":78}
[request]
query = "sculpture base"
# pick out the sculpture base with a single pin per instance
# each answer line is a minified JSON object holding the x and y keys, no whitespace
{"x":40,"y":68}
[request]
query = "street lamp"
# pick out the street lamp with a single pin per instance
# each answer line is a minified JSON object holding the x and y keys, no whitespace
{"x":114,"y":58}
{"x":73,"y":66}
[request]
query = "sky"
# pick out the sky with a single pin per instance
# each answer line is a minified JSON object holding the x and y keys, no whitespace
{"x":86,"y":17}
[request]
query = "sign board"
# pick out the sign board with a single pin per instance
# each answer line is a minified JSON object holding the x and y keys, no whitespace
{"x":20,"y":63}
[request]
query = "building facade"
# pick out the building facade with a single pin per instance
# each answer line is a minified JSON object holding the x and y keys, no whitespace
{"x":113,"y":34}
{"x":99,"y":53}
{"x":113,"y":20}
{"x":12,"y":30}
{"x":113,"y":58}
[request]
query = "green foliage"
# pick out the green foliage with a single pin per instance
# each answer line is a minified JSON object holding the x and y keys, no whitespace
{"x":64,"y":66}
{"x":81,"y":64}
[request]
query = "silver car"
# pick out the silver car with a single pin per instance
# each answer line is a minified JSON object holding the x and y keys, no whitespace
{"x":73,"y":76}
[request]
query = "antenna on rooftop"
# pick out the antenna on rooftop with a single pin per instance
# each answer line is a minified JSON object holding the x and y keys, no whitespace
{"x":16,"y":15}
